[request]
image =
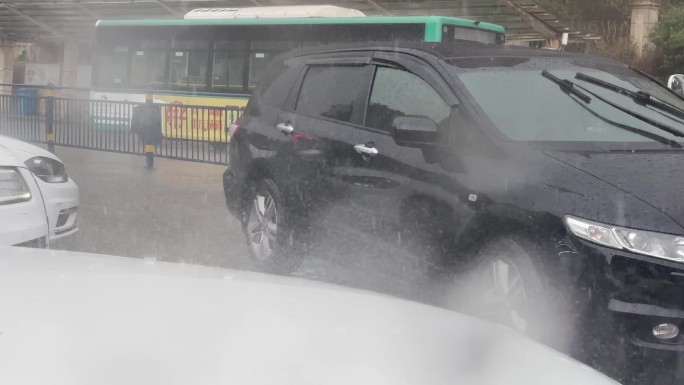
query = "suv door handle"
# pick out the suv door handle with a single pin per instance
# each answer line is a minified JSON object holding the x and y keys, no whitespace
{"x":285,"y":128}
{"x":366,"y":149}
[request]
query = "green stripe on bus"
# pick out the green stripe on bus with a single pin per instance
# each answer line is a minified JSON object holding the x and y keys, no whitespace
{"x":109,"y":123}
{"x":433,"y":32}
{"x":142,"y":91}
{"x":438,"y":20}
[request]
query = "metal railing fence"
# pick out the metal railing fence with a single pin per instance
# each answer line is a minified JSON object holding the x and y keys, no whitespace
{"x":189,"y":132}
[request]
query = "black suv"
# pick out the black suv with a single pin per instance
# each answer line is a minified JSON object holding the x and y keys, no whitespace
{"x":550,"y":184}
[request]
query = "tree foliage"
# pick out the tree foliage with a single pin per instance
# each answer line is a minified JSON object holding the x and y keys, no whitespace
{"x":669,"y":35}
{"x":590,"y":10}
{"x":611,"y":20}
{"x":587,"y":10}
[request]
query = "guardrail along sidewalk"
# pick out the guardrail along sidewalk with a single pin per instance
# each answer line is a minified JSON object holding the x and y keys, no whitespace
{"x":188,"y":132}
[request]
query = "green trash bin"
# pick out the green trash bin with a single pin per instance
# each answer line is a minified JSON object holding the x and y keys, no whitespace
{"x":28,"y":101}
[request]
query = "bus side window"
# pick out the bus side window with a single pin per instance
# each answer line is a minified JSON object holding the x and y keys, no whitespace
{"x":148,"y":64}
{"x":189,"y":63}
{"x":228,"y":70}
{"x":258,"y":62}
{"x":229,"y":66}
{"x":261,"y":54}
{"x":451,"y":33}
{"x":111,"y":66}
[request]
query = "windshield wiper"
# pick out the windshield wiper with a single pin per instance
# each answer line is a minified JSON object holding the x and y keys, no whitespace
{"x":566,"y":86}
{"x":658,"y":82}
{"x":639,"y":97}
{"x":645,"y":119}
{"x":650,"y":135}
{"x":569,"y":88}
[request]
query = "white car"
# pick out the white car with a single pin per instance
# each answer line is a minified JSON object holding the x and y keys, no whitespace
{"x":38,"y":200}
{"x":83,"y":319}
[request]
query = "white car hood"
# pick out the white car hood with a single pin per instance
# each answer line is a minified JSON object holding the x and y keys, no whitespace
{"x":71,"y":318}
{"x":23,"y":150}
{"x":8,"y":158}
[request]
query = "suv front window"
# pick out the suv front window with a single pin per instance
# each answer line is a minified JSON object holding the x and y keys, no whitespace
{"x":550,"y":115}
{"x":399,"y":93}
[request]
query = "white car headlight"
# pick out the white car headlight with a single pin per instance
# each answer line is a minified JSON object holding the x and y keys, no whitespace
{"x":49,"y":170}
{"x":665,"y":246}
{"x":13,"y":187}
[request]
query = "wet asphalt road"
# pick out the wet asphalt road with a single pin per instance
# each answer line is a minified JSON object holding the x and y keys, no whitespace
{"x":177,"y":213}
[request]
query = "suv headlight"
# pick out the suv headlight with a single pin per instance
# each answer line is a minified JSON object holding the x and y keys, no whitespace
{"x":49,"y":170}
{"x":13,"y":187}
{"x":665,"y":246}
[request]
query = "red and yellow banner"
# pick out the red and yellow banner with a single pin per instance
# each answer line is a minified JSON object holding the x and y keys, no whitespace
{"x":183,"y":119}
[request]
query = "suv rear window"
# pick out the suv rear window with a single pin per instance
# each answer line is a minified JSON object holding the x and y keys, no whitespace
{"x":276,"y":85}
{"x":333,"y":92}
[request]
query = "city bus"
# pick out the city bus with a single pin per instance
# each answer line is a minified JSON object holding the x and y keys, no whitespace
{"x":216,"y":56}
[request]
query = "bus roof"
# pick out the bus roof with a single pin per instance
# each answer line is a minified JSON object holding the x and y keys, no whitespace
{"x":440,"y":20}
{"x":273,"y":12}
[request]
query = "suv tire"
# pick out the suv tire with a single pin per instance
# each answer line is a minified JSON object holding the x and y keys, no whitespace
{"x":269,"y":235}
{"x":504,"y":285}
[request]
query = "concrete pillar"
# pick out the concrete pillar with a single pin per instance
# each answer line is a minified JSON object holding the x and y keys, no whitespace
{"x":553,"y":44}
{"x":644,"y":18}
{"x":69,"y":67}
{"x":6,"y":66}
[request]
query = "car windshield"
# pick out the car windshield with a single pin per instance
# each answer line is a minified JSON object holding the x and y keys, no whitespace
{"x":550,"y":115}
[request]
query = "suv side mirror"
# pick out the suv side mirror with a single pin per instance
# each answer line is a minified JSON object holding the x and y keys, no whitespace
{"x":414,"y":130}
{"x":676,"y":83}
